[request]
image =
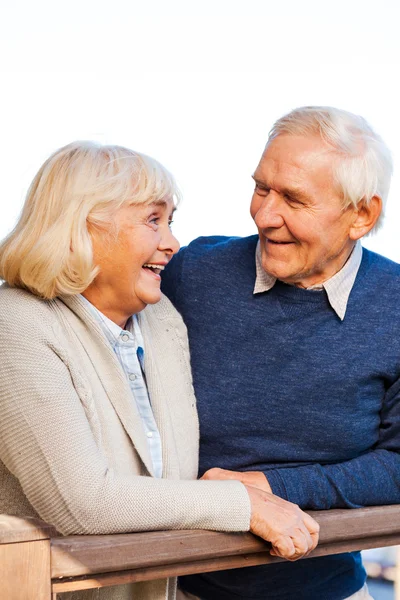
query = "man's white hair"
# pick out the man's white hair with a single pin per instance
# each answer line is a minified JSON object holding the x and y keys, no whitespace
{"x":364,"y":168}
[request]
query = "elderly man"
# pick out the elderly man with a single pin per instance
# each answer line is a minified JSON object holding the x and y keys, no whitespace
{"x":295,"y":342}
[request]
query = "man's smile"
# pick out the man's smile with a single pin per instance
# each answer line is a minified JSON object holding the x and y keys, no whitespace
{"x":278,"y":242}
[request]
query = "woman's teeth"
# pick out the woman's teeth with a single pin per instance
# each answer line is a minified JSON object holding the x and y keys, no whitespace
{"x":156,"y":268}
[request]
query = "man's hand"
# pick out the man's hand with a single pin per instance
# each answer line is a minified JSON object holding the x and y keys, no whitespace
{"x":253,"y":478}
{"x":292,"y":532}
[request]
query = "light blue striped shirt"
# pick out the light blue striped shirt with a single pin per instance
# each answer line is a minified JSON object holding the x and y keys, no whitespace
{"x":129,"y":349}
{"x":337,"y":288}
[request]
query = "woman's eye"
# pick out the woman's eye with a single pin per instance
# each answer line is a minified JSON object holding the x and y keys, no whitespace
{"x":154,"y":220}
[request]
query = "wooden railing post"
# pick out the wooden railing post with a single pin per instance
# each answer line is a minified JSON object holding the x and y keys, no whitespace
{"x":25,"y":559}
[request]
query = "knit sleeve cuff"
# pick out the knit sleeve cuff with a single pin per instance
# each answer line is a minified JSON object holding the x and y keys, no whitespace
{"x":305,"y":486}
{"x":277,"y":483}
{"x":228,"y":505}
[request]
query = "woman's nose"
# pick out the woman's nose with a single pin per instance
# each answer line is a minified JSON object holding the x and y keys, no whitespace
{"x":169,"y":243}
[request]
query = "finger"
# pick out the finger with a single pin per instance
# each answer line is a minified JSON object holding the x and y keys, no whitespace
{"x":311,"y":524}
{"x":283,"y":555}
{"x":275,"y":552}
{"x":309,"y":539}
{"x":217,"y":473}
{"x":278,"y":555}
{"x":313,"y":527}
{"x":314,"y":538}
{"x":300,"y":544}
{"x":225,"y":474}
{"x":284,"y":547}
{"x":211,"y":474}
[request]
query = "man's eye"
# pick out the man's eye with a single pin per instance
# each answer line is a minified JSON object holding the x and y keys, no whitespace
{"x":261,"y":189}
{"x":292,"y":200}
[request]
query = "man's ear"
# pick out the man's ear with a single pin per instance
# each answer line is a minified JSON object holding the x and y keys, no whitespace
{"x":365,"y":217}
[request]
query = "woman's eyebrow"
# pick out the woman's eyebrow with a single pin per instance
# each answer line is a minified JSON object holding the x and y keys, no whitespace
{"x":162,"y":204}
{"x":158,"y":203}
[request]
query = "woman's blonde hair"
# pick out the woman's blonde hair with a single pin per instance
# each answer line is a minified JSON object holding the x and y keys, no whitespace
{"x":81,"y":185}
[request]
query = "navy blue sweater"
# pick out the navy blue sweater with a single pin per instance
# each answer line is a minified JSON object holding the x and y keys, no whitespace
{"x":285,"y":387}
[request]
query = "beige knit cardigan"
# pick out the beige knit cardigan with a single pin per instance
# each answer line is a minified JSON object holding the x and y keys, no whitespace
{"x":72,"y":448}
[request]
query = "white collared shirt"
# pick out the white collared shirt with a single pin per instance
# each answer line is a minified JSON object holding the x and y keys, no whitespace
{"x":337,"y":288}
{"x":128,"y":346}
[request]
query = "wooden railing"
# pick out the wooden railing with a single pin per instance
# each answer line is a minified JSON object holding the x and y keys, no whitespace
{"x":36,"y":564}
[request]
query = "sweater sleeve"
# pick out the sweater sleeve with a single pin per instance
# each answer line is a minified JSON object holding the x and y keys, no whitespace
{"x":46,"y":442}
{"x":367,"y":480}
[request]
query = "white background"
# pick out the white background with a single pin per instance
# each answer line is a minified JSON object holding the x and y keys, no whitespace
{"x":196,"y":84}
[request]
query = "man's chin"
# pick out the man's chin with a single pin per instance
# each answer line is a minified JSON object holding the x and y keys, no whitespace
{"x":277,"y":269}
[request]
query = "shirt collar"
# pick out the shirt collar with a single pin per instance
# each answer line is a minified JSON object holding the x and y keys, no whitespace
{"x":111,"y":330}
{"x":337,"y":288}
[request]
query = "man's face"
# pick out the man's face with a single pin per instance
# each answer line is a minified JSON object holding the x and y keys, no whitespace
{"x":305,"y":235}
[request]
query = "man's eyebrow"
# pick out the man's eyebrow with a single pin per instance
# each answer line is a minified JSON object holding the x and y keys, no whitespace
{"x":295,"y":193}
{"x":257,"y":179}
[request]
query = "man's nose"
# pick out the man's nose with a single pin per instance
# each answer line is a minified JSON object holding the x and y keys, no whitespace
{"x":269,"y":213}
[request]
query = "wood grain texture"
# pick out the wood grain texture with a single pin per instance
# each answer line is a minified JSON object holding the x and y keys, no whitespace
{"x":85,"y":562}
{"x":345,"y":524}
{"x":95,"y":554}
{"x":77,"y":556}
{"x":15,"y":529}
{"x":25,"y":571}
{"x":206,"y":566}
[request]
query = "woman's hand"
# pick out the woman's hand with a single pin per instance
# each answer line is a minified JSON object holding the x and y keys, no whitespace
{"x":254,"y":478}
{"x":292,"y":532}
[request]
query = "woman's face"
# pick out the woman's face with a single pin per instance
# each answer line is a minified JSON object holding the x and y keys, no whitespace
{"x":131,"y":255}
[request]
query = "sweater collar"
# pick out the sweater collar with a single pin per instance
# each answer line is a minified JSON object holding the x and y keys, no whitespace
{"x":84,"y":325}
{"x":337,"y":288}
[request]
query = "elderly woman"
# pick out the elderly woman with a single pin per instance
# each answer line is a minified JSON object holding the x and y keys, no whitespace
{"x":98,"y":427}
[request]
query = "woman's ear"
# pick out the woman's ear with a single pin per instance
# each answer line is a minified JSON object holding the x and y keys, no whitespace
{"x":366,"y":216}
